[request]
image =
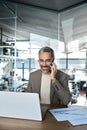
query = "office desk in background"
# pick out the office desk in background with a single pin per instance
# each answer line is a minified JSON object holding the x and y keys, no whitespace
{"x":49,"y":123}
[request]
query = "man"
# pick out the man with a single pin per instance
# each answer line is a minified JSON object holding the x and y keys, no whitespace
{"x":49,"y":82}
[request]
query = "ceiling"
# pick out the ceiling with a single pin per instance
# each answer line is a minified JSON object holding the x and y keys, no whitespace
{"x":56,"y":5}
{"x":38,"y":16}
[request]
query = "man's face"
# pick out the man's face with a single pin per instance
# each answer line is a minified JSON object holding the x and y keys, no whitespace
{"x":45,"y":61}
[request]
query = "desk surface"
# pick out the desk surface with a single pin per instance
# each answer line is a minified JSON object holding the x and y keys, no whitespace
{"x":49,"y":123}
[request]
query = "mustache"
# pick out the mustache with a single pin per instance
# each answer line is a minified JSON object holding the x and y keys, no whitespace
{"x":45,"y":66}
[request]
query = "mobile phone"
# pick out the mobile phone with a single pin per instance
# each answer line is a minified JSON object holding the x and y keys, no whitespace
{"x":51,"y":67}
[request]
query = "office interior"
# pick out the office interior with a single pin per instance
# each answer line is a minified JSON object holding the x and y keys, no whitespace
{"x":26,"y":26}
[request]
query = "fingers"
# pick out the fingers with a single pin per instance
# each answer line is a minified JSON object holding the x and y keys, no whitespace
{"x":54,"y":67}
{"x":54,"y":71}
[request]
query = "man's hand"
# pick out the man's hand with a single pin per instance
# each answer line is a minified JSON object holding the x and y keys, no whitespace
{"x":53,"y":71}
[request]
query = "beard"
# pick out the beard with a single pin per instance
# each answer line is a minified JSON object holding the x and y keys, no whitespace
{"x":45,"y":69}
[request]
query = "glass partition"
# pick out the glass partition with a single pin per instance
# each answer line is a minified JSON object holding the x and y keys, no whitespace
{"x":73,"y":34}
{"x":7,"y":31}
{"x":25,"y":29}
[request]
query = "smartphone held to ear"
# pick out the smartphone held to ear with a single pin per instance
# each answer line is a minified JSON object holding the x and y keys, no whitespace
{"x":51,"y":67}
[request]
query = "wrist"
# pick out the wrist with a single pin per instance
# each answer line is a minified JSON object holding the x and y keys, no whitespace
{"x":53,"y":80}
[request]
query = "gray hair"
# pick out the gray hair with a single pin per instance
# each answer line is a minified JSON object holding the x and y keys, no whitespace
{"x":49,"y":50}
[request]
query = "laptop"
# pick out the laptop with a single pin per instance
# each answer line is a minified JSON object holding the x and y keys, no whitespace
{"x":21,"y":105}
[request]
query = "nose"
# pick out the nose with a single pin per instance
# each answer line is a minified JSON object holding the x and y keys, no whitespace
{"x":44,"y":63}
